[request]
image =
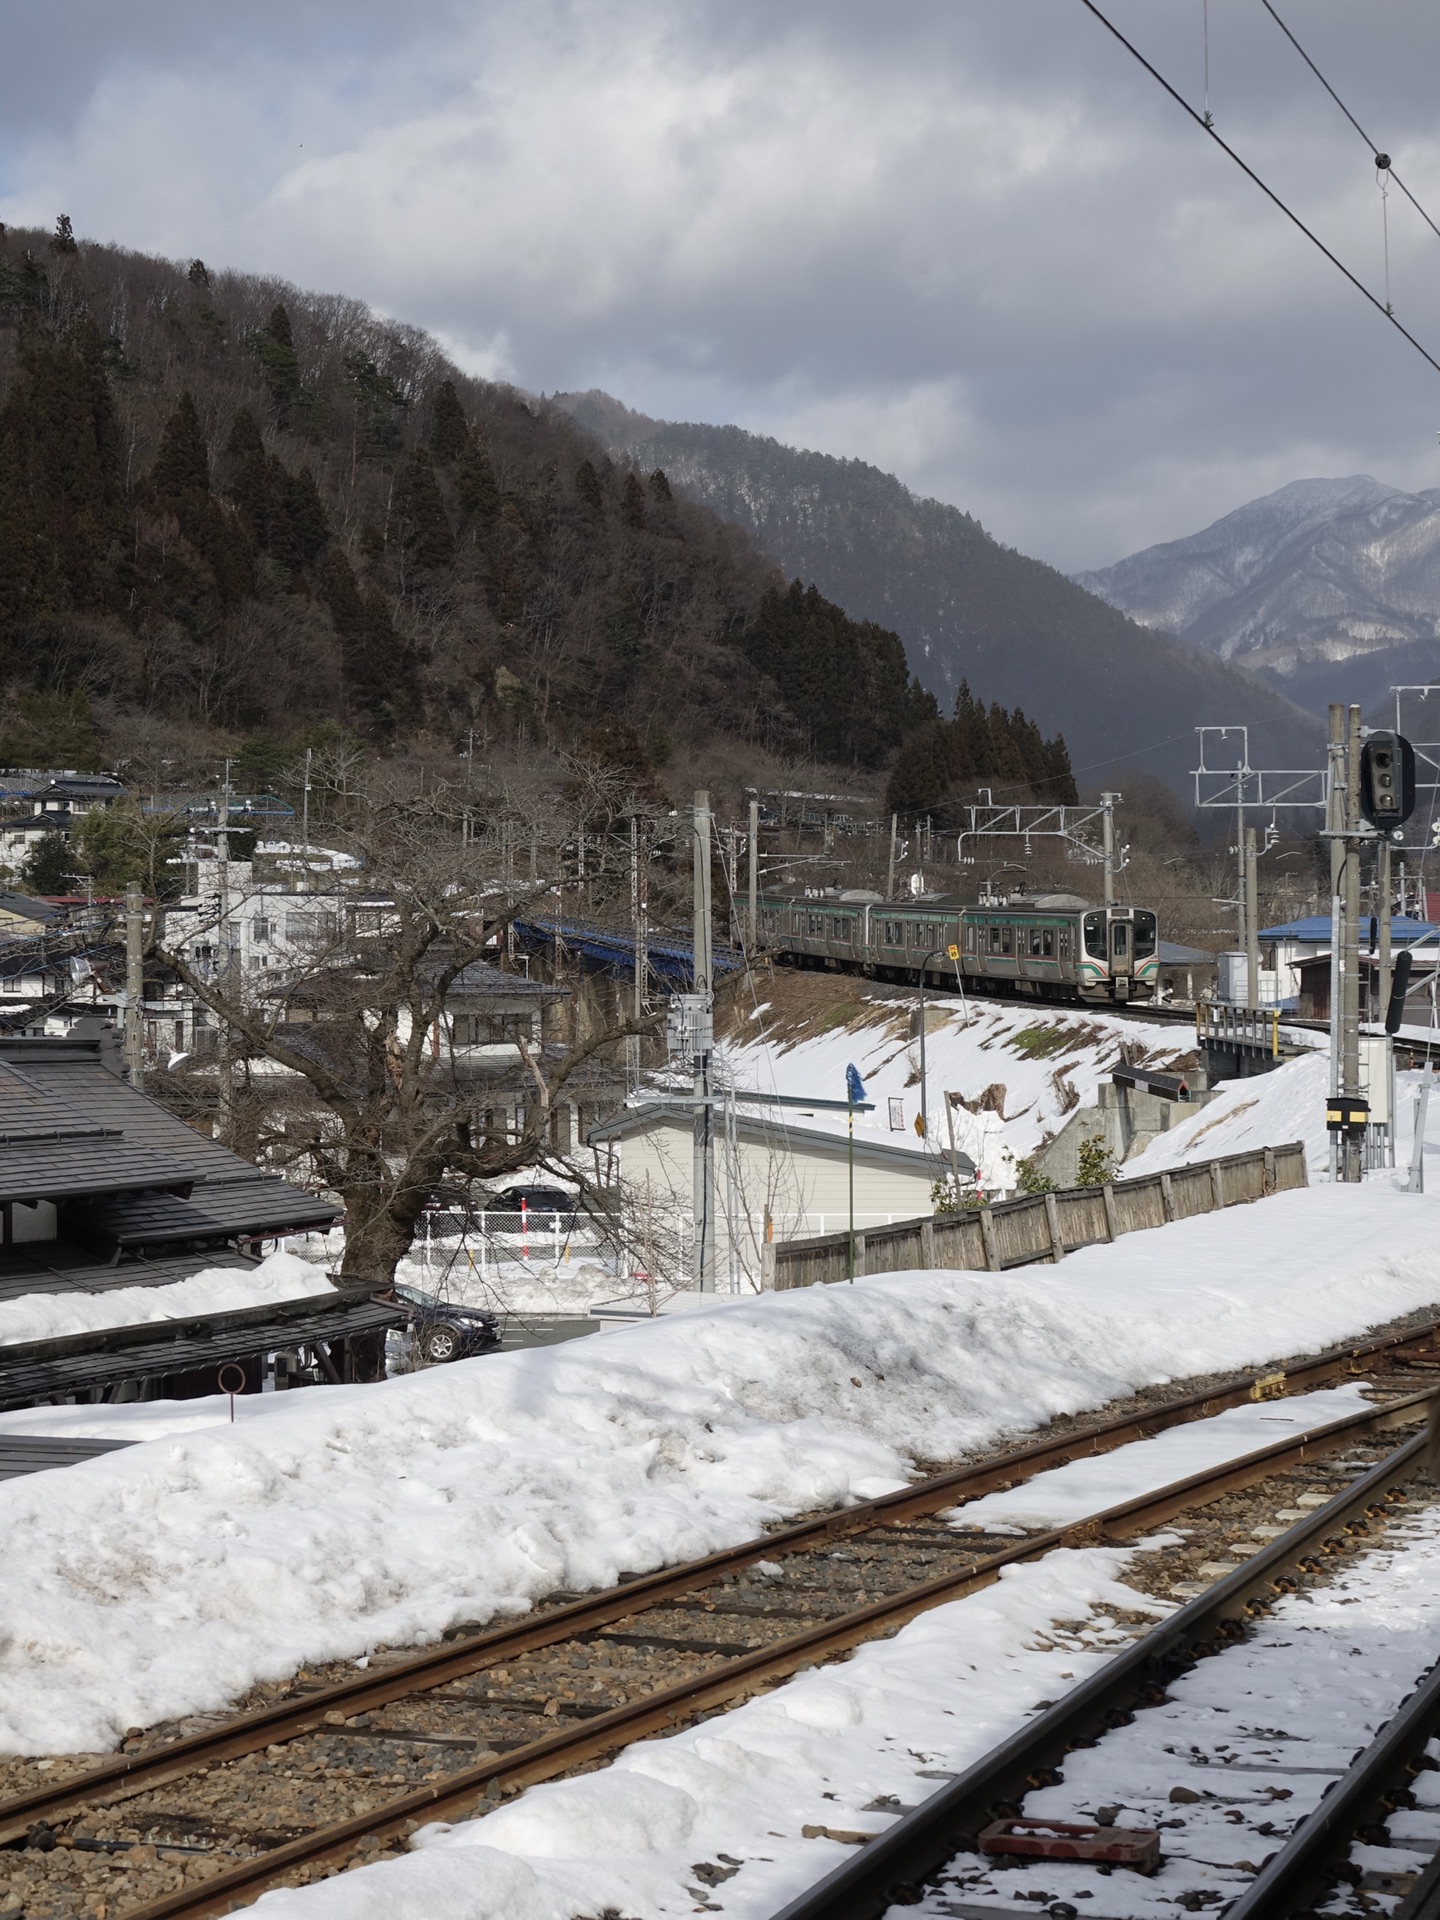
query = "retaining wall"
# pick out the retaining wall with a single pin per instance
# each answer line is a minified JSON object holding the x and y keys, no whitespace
{"x":1044,"y":1227}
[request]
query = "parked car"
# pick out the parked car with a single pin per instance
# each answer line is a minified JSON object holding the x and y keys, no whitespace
{"x":506,"y":1209}
{"x":441,"y":1330}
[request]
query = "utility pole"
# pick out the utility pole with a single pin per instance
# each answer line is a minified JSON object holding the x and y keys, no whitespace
{"x":134,"y":985}
{"x":1251,"y":911}
{"x":1107,"y":801}
{"x":305,"y":815}
{"x":890,"y":872}
{"x":754,"y":878}
{"x":1351,"y":1038}
{"x":1382,"y":915}
{"x":225,"y":1063}
{"x":637,"y":1005}
{"x":703,"y":1167}
{"x":1335,"y":828}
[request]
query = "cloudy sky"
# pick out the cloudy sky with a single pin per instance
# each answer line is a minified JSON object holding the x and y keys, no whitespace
{"x":969,"y":240}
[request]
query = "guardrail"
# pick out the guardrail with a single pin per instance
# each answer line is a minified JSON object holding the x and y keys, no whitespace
{"x":1044,"y":1226}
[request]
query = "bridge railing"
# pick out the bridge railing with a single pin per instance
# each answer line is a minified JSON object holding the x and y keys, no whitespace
{"x":1044,"y":1226}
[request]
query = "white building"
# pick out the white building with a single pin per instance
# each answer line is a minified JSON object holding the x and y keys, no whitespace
{"x":774,"y":1181}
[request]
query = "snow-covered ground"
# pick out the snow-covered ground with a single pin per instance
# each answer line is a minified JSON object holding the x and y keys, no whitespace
{"x":50,"y":1316}
{"x":1030,"y":1066}
{"x":169,"y":1577}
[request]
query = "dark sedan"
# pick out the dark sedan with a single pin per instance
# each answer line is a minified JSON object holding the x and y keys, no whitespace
{"x":442,"y":1330}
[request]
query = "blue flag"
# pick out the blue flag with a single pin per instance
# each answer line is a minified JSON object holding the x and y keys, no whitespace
{"x":854,"y":1087}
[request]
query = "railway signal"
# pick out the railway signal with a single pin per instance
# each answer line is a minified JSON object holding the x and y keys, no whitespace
{"x":1387,"y":780}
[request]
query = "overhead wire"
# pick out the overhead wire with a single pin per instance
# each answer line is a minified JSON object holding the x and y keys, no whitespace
{"x":1375,"y":150}
{"x":1269,"y":192}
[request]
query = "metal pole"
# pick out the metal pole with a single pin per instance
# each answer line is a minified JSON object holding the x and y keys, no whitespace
{"x":1108,"y":825}
{"x":754,"y":876}
{"x":1350,"y":1036}
{"x":1335,"y":827}
{"x":632,"y":1045}
{"x":890,"y":872}
{"x":850,"y":1114}
{"x":1252,"y":925}
{"x":1382,"y":914}
{"x":1242,"y":937}
{"x":134,"y":984}
{"x":703,"y":1169}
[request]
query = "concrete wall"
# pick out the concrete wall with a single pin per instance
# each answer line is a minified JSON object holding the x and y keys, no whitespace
{"x":1127,"y":1118}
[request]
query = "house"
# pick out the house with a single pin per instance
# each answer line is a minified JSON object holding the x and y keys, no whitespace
{"x":22,"y":915}
{"x":775,"y":1180}
{"x":1420,"y":997}
{"x":1285,"y":948}
{"x":102,"y":1188}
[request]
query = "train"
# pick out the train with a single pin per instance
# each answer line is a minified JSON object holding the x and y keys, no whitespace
{"x":1053,"y":946}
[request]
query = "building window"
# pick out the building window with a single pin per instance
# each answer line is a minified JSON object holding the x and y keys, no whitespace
{"x":260,"y":932}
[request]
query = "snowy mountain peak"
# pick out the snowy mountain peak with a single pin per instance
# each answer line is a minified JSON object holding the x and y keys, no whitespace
{"x":1329,"y":587}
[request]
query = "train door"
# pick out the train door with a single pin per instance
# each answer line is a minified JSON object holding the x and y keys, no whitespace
{"x":1122,"y":952}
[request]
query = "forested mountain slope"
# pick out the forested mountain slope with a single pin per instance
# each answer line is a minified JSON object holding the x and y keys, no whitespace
{"x":966,"y":607}
{"x":230,"y":509}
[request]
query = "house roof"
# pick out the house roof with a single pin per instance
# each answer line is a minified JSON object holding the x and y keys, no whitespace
{"x":130,"y":1171}
{"x":1316,"y":927}
{"x":756,"y":1127}
{"x":24,"y":906}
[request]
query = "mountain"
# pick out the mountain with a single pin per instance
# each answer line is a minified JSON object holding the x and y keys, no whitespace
{"x":234,"y":513}
{"x":966,"y":607}
{"x":1330,"y":589}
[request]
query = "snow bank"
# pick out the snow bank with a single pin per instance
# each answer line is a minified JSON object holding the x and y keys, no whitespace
{"x":50,"y":1316}
{"x":169,"y":1577}
{"x":1267,"y":1111}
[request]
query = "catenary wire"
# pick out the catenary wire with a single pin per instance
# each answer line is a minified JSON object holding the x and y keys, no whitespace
{"x":1269,"y":192}
{"x":1374,"y":149}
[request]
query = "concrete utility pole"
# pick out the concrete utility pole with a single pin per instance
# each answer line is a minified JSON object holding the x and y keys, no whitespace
{"x":225,"y":1064}
{"x":639,"y":955}
{"x":703,"y":1168}
{"x":890,"y":871}
{"x":305,"y":808}
{"x":754,"y":878}
{"x":134,"y":984}
{"x":1350,"y":1039}
{"x":1242,"y":934}
{"x":1335,"y":828}
{"x":1107,"y":800}
{"x":1251,"y":910}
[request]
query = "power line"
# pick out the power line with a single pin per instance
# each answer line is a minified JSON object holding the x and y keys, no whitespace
{"x":1374,"y":149}
{"x":1269,"y":192}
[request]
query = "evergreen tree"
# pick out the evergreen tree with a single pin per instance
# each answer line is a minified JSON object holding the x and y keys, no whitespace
{"x":63,"y":239}
{"x":660,"y":486}
{"x":380,"y":669}
{"x":49,"y":867}
{"x":182,"y":466}
{"x":632,"y":503}
{"x":424,"y":528}
{"x":280,"y":364}
{"x":449,"y":429}
{"x":475,"y":487}
{"x":198,"y":274}
{"x":588,"y":488}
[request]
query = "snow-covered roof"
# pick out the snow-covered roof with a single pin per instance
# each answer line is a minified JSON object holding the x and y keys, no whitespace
{"x":1316,"y":926}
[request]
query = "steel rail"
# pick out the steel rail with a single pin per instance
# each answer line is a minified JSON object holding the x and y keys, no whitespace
{"x":437,"y":1666}
{"x":542,"y":1759}
{"x":950,"y":1821}
{"x":1297,"y":1874}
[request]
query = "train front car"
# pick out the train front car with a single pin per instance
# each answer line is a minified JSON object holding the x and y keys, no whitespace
{"x":1119,"y":957}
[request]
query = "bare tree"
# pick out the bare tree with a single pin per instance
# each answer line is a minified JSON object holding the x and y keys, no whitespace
{"x":381,"y":1102}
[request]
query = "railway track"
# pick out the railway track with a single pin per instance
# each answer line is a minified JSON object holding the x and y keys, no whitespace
{"x":335,"y":1775}
{"x":933,"y":1859}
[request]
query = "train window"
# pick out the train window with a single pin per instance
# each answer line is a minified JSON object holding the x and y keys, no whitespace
{"x":1035,"y":943}
{"x":1065,"y":943}
{"x":1047,"y":943}
{"x":969,"y":936}
{"x":1144,"y":934}
{"x":994,"y":937}
{"x":1096,"y":942}
{"x":815,"y":925}
{"x":892,"y":933}
{"x":767,"y":919}
{"x":1120,"y":939}
{"x":1007,"y":942}
{"x":842,"y":927}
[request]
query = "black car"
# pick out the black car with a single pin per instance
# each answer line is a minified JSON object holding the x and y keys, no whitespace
{"x":507,"y":1209}
{"x":441,"y":1330}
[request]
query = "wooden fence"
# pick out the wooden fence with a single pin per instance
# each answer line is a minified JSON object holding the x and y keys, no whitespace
{"x":1046,"y":1226}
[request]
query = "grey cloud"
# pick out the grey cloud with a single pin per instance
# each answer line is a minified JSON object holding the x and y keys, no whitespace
{"x":972,"y":242}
